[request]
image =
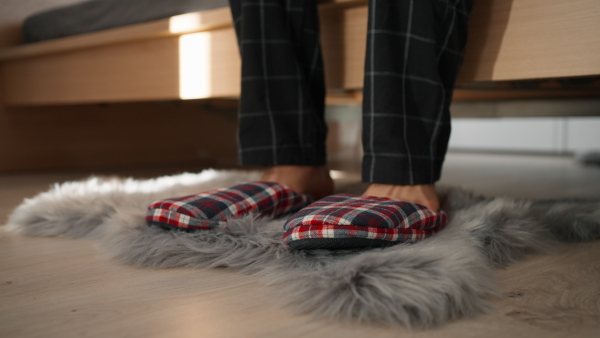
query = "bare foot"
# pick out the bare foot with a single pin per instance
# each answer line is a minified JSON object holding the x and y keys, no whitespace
{"x":421,"y":194}
{"x":311,"y":180}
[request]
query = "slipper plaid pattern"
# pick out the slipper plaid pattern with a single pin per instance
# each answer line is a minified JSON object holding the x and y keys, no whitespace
{"x":212,"y":208}
{"x":347,"y":221}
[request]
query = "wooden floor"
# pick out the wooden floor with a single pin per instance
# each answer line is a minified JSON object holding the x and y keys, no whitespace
{"x":63,"y":288}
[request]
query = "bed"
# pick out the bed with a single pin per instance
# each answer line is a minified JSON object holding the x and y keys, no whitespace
{"x":194,"y":55}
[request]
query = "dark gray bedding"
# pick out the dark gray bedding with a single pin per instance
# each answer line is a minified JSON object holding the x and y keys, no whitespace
{"x":95,"y":15}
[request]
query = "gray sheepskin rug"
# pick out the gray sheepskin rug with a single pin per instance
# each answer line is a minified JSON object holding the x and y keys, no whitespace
{"x":445,"y":277}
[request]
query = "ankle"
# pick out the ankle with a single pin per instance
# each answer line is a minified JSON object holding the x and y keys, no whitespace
{"x":424,"y":194}
{"x":312,"y":180}
{"x":296,"y":169}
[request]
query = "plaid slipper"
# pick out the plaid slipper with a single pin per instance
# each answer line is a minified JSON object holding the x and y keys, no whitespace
{"x":212,"y":208}
{"x":347,"y":221}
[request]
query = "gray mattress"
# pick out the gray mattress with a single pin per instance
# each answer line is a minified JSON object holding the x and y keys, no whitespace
{"x":96,"y":15}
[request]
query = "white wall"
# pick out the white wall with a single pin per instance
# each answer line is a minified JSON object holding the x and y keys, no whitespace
{"x":552,"y":135}
{"x":495,"y":127}
{"x":558,"y":135}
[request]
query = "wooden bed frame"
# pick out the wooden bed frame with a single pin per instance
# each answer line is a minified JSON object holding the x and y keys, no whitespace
{"x":195,"y":55}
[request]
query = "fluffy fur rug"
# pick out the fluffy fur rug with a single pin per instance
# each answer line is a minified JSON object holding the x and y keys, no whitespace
{"x":444,"y":277}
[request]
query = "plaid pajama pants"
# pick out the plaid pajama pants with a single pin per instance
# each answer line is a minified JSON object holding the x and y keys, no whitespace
{"x":414,"y":51}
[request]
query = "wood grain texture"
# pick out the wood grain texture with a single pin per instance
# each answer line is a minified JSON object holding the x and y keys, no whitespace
{"x":528,"y":39}
{"x":489,"y":95}
{"x":64,"y":288}
{"x":551,"y":293}
{"x":131,"y":134}
{"x":203,"y":21}
{"x":144,"y":70}
{"x":344,"y":41}
{"x":354,"y":97}
{"x":513,"y":39}
{"x":197,"y":22}
{"x":72,"y":291}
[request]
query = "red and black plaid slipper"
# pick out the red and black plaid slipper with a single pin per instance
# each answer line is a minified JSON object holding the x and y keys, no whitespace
{"x":212,"y":208}
{"x":346,"y":221}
